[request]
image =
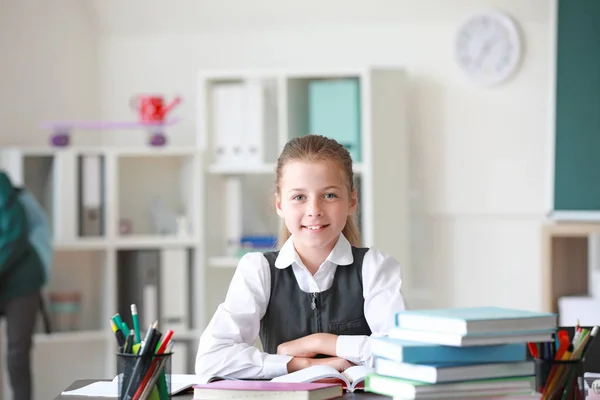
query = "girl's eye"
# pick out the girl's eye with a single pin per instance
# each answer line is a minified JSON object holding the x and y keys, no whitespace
{"x":298,"y":197}
{"x":330,"y":196}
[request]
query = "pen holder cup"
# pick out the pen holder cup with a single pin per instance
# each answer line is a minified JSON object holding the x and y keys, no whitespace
{"x":144,"y":377}
{"x":559,"y":379}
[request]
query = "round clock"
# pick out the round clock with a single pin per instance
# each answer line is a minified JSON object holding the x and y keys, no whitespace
{"x":488,"y":47}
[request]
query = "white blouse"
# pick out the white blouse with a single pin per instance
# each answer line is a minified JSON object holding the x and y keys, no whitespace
{"x":226,"y":347}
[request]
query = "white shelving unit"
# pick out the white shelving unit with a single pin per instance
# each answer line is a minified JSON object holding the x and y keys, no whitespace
{"x":382,"y":173}
{"x":216,"y":199}
{"x":131,"y":179}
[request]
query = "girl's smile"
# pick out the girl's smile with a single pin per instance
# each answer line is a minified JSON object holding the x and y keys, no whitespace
{"x":315,"y":228}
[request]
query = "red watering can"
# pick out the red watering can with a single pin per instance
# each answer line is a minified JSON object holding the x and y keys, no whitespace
{"x":152,"y":108}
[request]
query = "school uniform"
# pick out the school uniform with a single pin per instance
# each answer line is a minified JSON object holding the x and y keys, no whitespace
{"x":354,"y":294}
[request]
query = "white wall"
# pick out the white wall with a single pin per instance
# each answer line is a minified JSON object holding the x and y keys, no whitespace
{"x":481,"y":156}
{"x":49,"y":71}
{"x":49,"y":68}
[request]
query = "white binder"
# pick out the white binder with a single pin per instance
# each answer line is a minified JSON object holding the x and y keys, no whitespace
{"x":174,"y":290}
{"x":228,"y":123}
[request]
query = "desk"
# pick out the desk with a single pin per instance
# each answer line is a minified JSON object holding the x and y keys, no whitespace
{"x":565,"y":261}
{"x":188,"y":396}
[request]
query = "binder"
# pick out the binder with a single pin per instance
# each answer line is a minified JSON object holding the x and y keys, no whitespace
{"x":334,"y":111}
{"x":91,"y":188}
{"x":138,"y":283}
{"x":228,"y":123}
{"x":174,"y":290}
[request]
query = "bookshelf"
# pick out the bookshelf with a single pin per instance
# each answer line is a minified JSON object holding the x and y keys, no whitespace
{"x":234,"y":191}
{"x":213,"y":199}
{"x":89,"y":263}
{"x":565,"y":261}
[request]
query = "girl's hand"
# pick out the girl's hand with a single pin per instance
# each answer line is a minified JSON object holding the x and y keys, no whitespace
{"x":340,"y":364}
{"x":309,"y":346}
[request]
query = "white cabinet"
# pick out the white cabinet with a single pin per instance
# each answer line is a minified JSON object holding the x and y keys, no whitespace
{"x":147,"y":201}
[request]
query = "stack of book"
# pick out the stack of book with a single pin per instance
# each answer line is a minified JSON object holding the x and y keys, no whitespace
{"x":461,"y":352}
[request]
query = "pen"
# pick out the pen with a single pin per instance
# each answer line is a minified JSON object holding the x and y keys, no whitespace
{"x":533,"y":350}
{"x":125,"y":328}
{"x":592,"y":336}
{"x":128,"y":348}
{"x":119,"y":323}
{"x":136,"y":323}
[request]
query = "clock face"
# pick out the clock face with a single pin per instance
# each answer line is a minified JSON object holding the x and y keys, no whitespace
{"x":488,"y":47}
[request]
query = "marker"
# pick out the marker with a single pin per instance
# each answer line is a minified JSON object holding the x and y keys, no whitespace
{"x":118,"y":334}
{"x":119,"y":323}
{"x":136,"y":323}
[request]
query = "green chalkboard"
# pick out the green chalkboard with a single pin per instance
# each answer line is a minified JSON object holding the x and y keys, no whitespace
{"x":577,"y":141}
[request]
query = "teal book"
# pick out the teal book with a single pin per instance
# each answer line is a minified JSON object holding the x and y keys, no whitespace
{"x":334,"y":111}
{"x":473,"y":320}
{"x":428,"y":353}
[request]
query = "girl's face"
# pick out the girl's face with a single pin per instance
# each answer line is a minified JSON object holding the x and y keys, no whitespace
{"x":314,"y":202}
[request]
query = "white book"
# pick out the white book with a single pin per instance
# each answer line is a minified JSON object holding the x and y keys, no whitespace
{"x":454,"y":339}
{"x":452,"y":373}
{"x":470,"y":320}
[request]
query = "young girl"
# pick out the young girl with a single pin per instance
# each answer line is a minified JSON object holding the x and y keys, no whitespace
{"x":319,"y":298}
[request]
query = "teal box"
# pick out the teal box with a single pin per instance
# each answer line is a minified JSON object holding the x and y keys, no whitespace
{"x":334,"y":111}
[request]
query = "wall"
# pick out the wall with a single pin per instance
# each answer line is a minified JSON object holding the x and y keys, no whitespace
{"x":49,"y":68}
{"x":49,"y":72}
{"x":481,"y":156}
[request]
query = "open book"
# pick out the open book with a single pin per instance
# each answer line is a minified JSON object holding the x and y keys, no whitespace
{"x":352,"y":378}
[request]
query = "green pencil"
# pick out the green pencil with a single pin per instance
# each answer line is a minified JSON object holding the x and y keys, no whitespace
{"x":136,"y":323}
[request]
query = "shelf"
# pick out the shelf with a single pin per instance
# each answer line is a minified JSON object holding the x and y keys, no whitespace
{"x":158,"y":151}
{"x":82,"y":244}
{"x":69,"y":337}
{"x":223,"y":262}
{"x":132,"y":242}
{"x":101,"y":125}
{"x":154,"y":241}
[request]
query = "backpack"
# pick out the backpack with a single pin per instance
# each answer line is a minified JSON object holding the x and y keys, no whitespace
{"x":39,"y":232}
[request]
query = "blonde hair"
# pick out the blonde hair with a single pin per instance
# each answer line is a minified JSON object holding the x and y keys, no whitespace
{"x":312,"y":148}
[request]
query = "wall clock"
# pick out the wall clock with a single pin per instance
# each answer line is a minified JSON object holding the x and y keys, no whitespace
{"x":488,"y":47}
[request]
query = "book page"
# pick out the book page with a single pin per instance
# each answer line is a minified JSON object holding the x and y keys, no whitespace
{"x":96,"y":389}
{"x":311,"y":374}
{"x":357,"y":374}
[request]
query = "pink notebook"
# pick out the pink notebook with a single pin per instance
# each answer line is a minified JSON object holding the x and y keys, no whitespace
{"x":312,"y":391}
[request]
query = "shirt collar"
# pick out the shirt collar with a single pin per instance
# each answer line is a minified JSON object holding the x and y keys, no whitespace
{"x":340,"y":255}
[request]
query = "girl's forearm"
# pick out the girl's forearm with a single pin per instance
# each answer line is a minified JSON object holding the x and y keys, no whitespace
{"x":326,"y":344}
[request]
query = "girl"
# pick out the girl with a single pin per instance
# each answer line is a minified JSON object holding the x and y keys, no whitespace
{"x":319,"y":298}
